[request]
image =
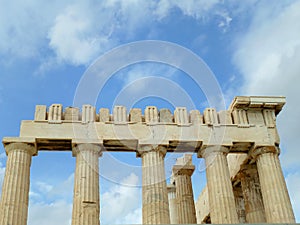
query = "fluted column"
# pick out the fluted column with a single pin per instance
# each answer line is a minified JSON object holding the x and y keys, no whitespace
{"x":220,"y":193}
{"x":86,"y":204}
{"x":254,"y":207}
{"x":15,"y":190}
{"x":239,"y":203}
{"x":172,"y":204}
{"x":277,"y":204}
{"x":154,"y":190}
{"x":184,"y":194}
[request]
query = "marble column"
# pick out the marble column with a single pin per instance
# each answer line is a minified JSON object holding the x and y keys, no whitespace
{"x":86,"y":203}
{"x":277,"y":204}
{"x":154,"y":190}
{"x":254,"y":207}
{"x":220,"y":192}
{"x":172,"y":204}
{"x":15,"y":190}
{"x":184,"y":194}
{"x":239,"y":203}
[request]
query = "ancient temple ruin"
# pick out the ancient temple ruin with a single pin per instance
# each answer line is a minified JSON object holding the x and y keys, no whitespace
{"x":251,"y":188}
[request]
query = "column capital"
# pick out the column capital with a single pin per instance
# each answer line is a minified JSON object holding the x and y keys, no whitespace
{"x":256,"y":152}
{"x":142,"y":149}
{"x":27,"y":147}
{"x":183,"y":170}
{"x":209,"y":149}
{"x":79,"y":147}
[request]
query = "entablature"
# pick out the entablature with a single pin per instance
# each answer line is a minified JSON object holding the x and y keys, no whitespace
{"x":249,"y":121}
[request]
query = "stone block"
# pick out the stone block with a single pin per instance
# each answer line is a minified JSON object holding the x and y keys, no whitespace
{"x":210,"y":116}
{"x":40,"y":113}
{"x":135,"y":115}
{"x":71,"y":114}
{"x":181,"y":116}
{"x":165,"y":116}
{"x":196,"y":117}
{"x":151,"y":114}
{"x":119,"y":114}
{"x":269,"y":117}
{"x":88,"y":114}
{"x":104,"y":115}
{"x":240,"y":117}
{"x":225,"y":117}
{"x":55,"y":113}
{"x":255,"y":117}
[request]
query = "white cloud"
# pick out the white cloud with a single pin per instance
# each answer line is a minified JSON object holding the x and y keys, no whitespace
{"x":76,"y":33}
{"x":51,"y":203}
{"x":144,"y":70}
{"x":121,"y":204}
{"x":44,"y":187}
{"x":24,"y":26}
{"x":268,"y":58}
{"x":63,"y":189}
{"x":225,"y":21}
{"x":134,"y":217}
{"x":58,"y":212}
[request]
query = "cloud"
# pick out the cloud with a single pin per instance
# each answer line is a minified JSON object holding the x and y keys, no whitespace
{"x":76,"y":33}
{"x":44,"y":187}
{"x":51,"y":203}
{"x":57,"y":212}
{"x":194,"y":8}
{"x":268,"y":58}
{"x":49,"y":192}
{"x":134,"y":217}
{"x":121,"y":204}
{"x":24,"y":27}
{"x":84,"y":30}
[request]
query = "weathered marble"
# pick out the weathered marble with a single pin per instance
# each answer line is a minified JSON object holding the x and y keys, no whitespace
{"x":15,"y":190}
{"x":182,"y":172}
{"x":154,"y":190}
{"x":277,"y":204}
{"x":220,"y":192}
{"x":86,"y":208}
{"x":254,"y":207}
{"x":172,"y":203}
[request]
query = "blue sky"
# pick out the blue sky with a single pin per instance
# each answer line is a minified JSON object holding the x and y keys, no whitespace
{"x":252,"y":48}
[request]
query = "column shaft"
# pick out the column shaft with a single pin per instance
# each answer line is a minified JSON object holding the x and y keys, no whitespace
{"x":276,"y":199}
{"x":239,"y":203}
{"x":184,"y":194}
{"x":220,"y":192}
{"x":254,"y":207}
{"x":86,"y":203}
{"x":155,"y":195}
{"x":172,"y":204}
{"x":15,"y":190}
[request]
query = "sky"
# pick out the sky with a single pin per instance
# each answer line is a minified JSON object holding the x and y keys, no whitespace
{"x":49,"y":49}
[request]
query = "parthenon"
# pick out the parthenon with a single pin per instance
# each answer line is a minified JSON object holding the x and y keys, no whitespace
{"x":245,"y":183}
